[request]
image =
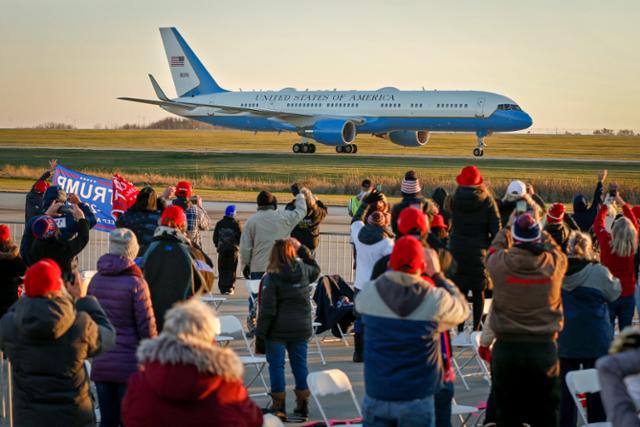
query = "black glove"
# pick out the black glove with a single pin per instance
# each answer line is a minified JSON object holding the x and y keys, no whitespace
{"x":246,"y":272}
{"x":373,"y":197}
{"x":295,"y":189}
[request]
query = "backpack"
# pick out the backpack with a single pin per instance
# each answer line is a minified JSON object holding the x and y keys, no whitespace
{"x":227,"y":241}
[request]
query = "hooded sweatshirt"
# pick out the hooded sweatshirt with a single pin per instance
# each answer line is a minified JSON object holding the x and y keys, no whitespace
{"x":583,"y":214}
{"x":47,"y":341}
{"x":188,"y":383}
{"x":587,"y":289}
{"x":372,"y":243}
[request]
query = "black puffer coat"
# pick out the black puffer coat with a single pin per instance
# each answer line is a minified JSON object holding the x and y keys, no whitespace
{"x":308,"y":230}
{"x":47,"y":341}
{"x":474,"y":223}
{"x":143,"y":224}
{"x":64,"y":252}
{"x":12,"y":269}
{"x":285,"y":306}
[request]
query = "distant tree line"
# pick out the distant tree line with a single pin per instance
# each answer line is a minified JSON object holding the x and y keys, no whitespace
{"x":55,"y":126}
{"x":611,"y":132}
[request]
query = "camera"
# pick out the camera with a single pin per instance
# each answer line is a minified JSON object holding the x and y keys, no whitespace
{"x":521,"y":207}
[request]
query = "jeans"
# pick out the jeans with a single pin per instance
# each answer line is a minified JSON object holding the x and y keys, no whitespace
{"x":442,"y":403}
{"x":623,"y":309}
{"x":410,"y":413}
{"x":568,"y":412}
{"x":297,"y":357}
{"x":109,"y":397}
{"x":526,"y":383}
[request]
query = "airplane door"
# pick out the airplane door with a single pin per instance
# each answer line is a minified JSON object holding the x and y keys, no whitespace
{"x":480,"y":107}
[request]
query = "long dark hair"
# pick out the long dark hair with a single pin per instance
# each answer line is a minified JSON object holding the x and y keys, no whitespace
{"x":147,"y":200}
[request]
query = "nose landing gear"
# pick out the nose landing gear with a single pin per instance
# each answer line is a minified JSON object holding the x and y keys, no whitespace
{"x":479,"y":150}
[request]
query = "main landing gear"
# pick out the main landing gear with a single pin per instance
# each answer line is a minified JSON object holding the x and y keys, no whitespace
{"x":479,"y":150}
{"x":304,"y":148}
{"x":348,"y":149}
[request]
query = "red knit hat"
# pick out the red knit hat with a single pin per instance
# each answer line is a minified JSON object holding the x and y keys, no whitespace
{"x":42,"y":278}
{"x":5,"y":233}
{"x":173,"y":215}
{"x":183,"y":189}
{"x":438,"y":222}
{"x":469,"y":177}
{"x":41,"y":186}
{"x":555,"y":214}
{"x":411,"y":219}
{"x":407,"y":255}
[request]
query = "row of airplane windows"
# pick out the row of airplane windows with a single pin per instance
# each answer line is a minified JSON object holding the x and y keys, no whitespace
{"x":356,"y":105}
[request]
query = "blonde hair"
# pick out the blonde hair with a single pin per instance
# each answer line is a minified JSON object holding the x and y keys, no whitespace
{"x":624,"y":238}
{"x":580,"y":245}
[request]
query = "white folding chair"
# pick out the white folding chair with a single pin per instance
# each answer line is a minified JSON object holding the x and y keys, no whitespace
{"x":463,"y":412}
{"x":461,"y":344}
{"x":330,"y":382}
{"x":315,"y":325}
{"x":270,"y":420}
{"x":584,"y":381}
{"x":214,"y":300}
{"x":475,"y":341}
{"x":231,"y":326}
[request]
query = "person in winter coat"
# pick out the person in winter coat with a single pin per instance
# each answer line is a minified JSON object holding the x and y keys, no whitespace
{"x":197,"y":218}
{"x":403,"y":314}
{"x":617,"y":252}
{"x":619,"y":373}
{"x":226,"y":238}
{"x":266,"y":226}
{"x":33,"y":203}
{"x":47,"y":337}
{"x":517,"y":191}
{"x":49,"y":242}
{"x":307,"y":231}
{"x":143,"y":217}
{"x":124,"y":295}
{"x":12,"y":269}
{"x":474,"y":223}
{"x":187,"y":380}
{"x":372,"y":241}
{"x":527,"y":268}
{"x":587,"y":288}
{"x":171,"y":265}
{"x":559,"y":225}
{"x":284,"y":321}
{"x":410,"y":190}
{"x":439,"y":196}
{"x":61,"y":208}
{"x":583,"y":214}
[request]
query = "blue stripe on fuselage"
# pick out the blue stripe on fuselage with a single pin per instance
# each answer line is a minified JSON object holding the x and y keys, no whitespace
{"x":499,"y":121}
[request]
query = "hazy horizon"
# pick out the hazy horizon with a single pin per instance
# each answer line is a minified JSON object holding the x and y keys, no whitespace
{"x":571,"y":65}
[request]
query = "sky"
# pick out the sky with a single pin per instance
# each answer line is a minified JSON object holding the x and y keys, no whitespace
{"x":572,"y":64}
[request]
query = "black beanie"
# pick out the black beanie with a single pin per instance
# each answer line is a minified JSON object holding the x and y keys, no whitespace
{"x":265,"y":198}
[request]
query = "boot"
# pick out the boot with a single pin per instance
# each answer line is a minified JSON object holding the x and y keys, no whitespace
{"x":277,"y":406}
{"x":358,"y":344}
{"x":302,"y":404}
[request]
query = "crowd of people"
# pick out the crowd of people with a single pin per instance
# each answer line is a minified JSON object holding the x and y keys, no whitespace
{"x":563,"y":287}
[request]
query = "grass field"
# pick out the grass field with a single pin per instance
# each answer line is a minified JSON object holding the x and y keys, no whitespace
{"x":232,"y":175}
{"x":500,"y":145}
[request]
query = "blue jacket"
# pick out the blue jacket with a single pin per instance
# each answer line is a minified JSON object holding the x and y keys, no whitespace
{"x":586,"y":290}
{"x":403,"y":315}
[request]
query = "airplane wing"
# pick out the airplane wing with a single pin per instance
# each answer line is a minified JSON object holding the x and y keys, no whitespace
{"x":293,"y":118}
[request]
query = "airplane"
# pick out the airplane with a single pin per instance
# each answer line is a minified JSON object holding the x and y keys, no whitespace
{"x":331,"y":117}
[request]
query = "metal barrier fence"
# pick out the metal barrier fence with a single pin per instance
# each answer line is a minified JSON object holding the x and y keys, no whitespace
{"x":334,"y":253}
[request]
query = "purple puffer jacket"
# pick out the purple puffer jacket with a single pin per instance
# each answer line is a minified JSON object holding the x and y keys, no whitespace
{"x":124,"y":295}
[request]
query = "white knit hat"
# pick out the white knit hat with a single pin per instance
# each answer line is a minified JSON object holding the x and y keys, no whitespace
{"x":123,"y":242}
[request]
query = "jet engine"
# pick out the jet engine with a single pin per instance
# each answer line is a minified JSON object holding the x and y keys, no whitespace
{"x":334,"y":132}
{"x":409,"y":138}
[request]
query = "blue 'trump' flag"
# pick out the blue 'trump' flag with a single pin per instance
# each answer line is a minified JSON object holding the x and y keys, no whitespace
{"x":95,"y":191}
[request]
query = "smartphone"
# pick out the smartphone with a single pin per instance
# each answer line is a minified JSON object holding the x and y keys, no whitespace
{"x":521,"y":207}
{"x":378,"y":187}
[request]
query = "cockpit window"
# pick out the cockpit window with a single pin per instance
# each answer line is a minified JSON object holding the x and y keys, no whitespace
{"x":509,"y":107}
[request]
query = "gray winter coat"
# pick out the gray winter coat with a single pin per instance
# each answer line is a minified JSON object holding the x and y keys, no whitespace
{"x":617,"y":402}
{"x":47,"y":341}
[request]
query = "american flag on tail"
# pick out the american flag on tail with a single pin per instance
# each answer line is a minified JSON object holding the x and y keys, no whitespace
{"x":176,"y":61}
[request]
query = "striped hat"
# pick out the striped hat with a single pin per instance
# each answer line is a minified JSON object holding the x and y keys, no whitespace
{"x":525,"y":229}
{"x":410,"y":183}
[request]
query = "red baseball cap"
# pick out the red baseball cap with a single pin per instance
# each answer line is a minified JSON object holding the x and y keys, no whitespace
{"x":41,"y":186}
{"x":438,"y":222}
{"x":469,"y":177}
{"x":173,"y":216}
{"x":412,"y":219}
{"x":5,"y":233}
{"x":42,"y":278}
{"x":183,"y":188}
{"x":407,"y":256}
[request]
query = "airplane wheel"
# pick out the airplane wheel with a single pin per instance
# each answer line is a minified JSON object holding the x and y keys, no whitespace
{"x":481,"y":153}
{"x":355,"y":148}
{"x":348,"y":149}
{"x":339,"y":149}
{"x":296,"y":148}
{"x":312,"y":148}
{"x":477,"y":152}
{"x":305,"y":148}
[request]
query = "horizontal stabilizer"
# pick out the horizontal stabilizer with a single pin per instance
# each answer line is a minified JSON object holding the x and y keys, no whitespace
{"x":160,"y":103}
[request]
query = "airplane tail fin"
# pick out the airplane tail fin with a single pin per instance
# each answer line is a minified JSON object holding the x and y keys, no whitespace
{"x":189,"y":75}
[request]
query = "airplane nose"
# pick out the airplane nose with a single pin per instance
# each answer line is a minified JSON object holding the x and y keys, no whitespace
{"x":526,"y":120}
